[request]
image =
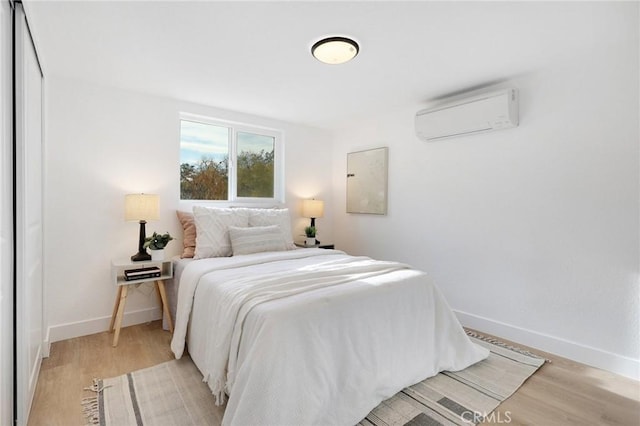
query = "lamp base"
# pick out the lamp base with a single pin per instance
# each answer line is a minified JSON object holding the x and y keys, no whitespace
{"x":140,"y":256}
{"x":142,"y":252}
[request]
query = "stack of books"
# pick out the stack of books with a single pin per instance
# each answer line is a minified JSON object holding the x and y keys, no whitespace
{"x":142,"y":273}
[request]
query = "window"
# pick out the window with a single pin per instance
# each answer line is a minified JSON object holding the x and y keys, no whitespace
{"x":228,"y":161}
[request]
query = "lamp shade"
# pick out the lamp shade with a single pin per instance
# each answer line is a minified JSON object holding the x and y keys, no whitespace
{"x":312,"y":208}
{"x":141,"y":207}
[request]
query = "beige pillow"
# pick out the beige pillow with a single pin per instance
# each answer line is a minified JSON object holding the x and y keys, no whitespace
{"x":280,"y":217}
{"x":256,"y":240}
{"x":188,"y":232}
{"x":212,"y":230}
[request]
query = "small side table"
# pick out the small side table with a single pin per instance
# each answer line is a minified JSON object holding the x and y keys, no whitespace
{"x":322,"y":246}
{"x":117,"y":271}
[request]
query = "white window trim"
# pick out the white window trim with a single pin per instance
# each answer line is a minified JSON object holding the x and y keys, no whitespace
{"x":278,"y":159}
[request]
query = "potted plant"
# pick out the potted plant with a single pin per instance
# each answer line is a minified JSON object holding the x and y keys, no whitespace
{"x":310,"y":232}
{"x":156,"y":243}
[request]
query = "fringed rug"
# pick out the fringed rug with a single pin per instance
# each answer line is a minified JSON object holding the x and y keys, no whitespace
{"x":167,"y":394}
{"x":173,"y":393}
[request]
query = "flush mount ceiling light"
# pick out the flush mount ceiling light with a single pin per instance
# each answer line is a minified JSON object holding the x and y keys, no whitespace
{"x":335,"y":50}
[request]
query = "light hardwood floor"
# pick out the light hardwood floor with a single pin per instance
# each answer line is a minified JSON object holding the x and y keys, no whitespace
{"x":73,"y":363}
{"x":562,"y":392}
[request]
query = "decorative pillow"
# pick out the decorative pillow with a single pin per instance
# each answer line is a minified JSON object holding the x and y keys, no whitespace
{"x":188,"y":233}
{"x":256,"y":239}
{"x":212,"y":230}
{"x":280,"y":217}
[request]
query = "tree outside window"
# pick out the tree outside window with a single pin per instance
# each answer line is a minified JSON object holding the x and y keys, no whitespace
{"x":208,"y":153}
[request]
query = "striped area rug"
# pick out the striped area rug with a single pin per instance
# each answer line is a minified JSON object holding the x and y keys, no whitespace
{"x":167,"y":394}
{"x":462,"y":398}
{"x":173,"y":393}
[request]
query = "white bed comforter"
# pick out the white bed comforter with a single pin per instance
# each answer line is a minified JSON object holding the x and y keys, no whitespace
{"x":313,"y":337}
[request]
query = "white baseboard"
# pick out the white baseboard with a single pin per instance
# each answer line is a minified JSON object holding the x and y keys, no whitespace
{"x":98,"y":325}
{"x":615,"y":363}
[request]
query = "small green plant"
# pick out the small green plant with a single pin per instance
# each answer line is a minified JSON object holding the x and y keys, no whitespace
{"x":157,"y":241}
{"x":310,"y":231}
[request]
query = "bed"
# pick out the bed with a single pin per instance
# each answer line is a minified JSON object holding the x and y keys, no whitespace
{"x":312,"y":336}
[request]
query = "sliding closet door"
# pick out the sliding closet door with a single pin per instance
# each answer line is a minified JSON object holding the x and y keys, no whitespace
{"x":29,"y":248}
{"x":6,"y":217}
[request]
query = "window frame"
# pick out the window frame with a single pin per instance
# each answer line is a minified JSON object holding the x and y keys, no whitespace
{"x":235,"y":127}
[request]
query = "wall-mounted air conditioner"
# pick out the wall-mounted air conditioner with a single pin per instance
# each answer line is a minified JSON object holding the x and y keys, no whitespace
{"x":477,"y":114}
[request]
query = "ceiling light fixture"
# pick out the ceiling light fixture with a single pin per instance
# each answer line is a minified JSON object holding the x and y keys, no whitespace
{"x":335,"y":50}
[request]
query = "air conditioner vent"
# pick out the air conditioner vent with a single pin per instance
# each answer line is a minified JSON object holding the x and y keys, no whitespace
{"x":477,"y":114}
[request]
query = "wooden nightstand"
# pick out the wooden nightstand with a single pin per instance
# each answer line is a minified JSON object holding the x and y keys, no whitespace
{"x":118,"y":268}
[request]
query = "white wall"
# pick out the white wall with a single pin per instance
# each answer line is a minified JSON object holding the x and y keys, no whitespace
{"x":104,"y":143}
{"x":532,"y":233}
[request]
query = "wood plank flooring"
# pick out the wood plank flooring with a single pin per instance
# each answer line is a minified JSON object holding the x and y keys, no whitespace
{"x":73,"y":363}
{"x":562,"y":392}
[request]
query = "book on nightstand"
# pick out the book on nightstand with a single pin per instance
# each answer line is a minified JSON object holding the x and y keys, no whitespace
{"x":142,"y":273}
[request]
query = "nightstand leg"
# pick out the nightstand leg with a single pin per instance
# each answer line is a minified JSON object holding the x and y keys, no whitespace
{"x":121,"y":304}
{"x":115,"y":308}
{"x":165,"y":305}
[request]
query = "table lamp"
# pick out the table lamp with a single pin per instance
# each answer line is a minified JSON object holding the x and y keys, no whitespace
{"x":312,"y":209}
{"x":141,"y":207}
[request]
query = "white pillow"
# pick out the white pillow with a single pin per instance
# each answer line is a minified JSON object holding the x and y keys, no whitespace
{"x":280,"y":217}
{"x":212,"y":230}
{"x":256,"y":239}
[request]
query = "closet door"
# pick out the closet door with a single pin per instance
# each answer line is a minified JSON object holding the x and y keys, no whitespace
{"x":29,"y":232}
{"x":6,"y":217}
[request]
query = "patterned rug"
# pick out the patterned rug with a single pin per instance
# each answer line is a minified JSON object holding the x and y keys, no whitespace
{"x":173,"y":393}
{"x":462,"y":398}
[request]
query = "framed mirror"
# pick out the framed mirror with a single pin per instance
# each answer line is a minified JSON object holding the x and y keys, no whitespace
{"x":367,"y":181}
